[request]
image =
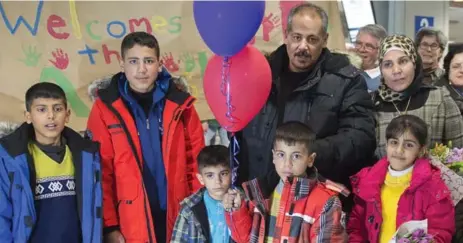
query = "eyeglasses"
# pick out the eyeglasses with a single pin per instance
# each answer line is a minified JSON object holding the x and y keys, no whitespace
{"x":367,"y":46}
{"x":433,"y":46}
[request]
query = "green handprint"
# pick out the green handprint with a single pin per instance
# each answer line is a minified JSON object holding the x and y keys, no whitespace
{"x":32,"y":56}
{"x":189,"y":61}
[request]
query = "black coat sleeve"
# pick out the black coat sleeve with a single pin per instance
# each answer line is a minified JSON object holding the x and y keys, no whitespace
{"x":458,"y":237}
{"x":352,"y":148}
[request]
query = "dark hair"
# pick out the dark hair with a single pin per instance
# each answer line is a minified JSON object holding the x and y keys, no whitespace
{"x":44,"y":90}
{"x":408,"y":123}
{"x":454,"y":50}
{"x":213,"y":155}
{"x":142,"y":39}
{"x":295,"y":132}
{"x":302,"y":8}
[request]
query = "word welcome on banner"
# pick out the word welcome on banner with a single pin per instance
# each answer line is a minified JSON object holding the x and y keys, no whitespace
{"x":73,"y":43}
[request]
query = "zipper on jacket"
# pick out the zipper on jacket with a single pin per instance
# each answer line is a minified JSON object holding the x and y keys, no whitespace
{"x":137,"y":158}
{"x":93,"y":200}
{"x":376,"y":224}
{"x":148,"y":124}
{"x":170,"y":124}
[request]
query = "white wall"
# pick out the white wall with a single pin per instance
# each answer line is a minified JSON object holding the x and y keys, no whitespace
{"x":402,"y":15}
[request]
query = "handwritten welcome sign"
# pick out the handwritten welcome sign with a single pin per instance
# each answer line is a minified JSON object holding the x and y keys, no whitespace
{"x":73,"y":43}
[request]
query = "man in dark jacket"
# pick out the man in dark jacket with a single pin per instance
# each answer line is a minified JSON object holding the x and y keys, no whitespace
{"x":319,"y":88}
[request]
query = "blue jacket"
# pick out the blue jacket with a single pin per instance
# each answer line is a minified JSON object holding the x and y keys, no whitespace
{"x":150,"y":133}
{"x":17,"y":177}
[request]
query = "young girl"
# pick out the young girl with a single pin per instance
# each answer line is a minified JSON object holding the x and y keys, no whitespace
{"x":403,"y":186}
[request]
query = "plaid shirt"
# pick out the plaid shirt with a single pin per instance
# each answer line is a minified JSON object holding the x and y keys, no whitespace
{"x":192,"y":224}
{"x":440,"y":113}
{"x":187,"y":227}
{"x":308,"y":212}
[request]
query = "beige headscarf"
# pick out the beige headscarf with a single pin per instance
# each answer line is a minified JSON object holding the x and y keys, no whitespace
{"x":405,"y":44}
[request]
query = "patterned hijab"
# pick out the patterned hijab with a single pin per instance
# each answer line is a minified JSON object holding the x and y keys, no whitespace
{"x":406,"y":45}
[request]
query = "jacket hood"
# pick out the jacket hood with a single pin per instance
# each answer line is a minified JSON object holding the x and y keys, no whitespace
{"x":16,"y":142}
{"x":102,"y":83}
{"x":7,"y":128}
{"x":367,"y":183}
{"x":354,"y":59}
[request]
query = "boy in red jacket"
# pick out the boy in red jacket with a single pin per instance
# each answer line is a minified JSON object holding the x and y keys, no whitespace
{"x":150,"y":136}
{"x":293,"y":206}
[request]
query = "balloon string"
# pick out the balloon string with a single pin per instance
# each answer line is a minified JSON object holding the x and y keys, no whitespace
{"x":234,"y":162}
{"x":225,"y":90}
{"x":234,"y":165}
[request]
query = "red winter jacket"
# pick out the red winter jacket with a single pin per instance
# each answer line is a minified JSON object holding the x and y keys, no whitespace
{"x":426,"y":198}
{"x":125,"y":203}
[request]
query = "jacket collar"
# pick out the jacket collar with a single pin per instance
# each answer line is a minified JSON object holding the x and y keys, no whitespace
{"x":16,"y":143}
{"x":259,"y":190}
{"x":367,"y":183}
{"x":111,"y":92}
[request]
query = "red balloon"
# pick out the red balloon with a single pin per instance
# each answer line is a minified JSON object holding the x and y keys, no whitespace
{"x":250,"y":80}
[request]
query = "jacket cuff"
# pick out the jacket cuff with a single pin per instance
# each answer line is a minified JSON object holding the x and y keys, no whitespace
{"x":109,"y":229}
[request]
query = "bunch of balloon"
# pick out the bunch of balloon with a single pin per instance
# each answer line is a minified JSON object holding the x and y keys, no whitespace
{"x":237,"y":79}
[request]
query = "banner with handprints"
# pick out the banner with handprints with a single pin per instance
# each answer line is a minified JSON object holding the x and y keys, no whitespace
{"x":73,"y":43}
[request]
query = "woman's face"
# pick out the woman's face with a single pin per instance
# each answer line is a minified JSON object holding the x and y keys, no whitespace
{"x":398,"y":70}
{"x":456,"y":70}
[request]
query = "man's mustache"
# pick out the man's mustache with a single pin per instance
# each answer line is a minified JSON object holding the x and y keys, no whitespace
{"x":303,"y":54}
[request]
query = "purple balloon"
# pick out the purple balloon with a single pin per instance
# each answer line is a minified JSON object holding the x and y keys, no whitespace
{"x":227,"y":26}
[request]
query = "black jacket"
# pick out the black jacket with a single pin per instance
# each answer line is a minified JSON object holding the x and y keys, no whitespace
{"x":333,"y":101}
{"x":457,"y":97}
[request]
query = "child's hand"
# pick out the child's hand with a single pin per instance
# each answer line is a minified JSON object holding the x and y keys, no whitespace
{"x":114,"y":237}
{"x":231,"y":200}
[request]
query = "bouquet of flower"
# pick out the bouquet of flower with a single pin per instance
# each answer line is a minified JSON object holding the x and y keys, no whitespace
{"x":451,"y":157}
{"x":417,"y":236}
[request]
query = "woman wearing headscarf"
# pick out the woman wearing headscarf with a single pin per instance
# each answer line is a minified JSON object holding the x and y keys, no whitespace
{"x":403,"y":92}
{"x":453,"y":76}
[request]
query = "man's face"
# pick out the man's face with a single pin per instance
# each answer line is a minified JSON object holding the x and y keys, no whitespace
{"x":430,"y":50}
{"x":305,"y":41}
{"x":48,"y":117}
{"x":366,"y":47}
{"x":141,"y":67}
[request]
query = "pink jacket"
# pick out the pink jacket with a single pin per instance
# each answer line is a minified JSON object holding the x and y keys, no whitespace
{"x":426,"y":198}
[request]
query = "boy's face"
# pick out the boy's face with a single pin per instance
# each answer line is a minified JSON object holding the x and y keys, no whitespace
{"x":216,"y":179}
{"x":403,"y":151}
{"x":141,"y":67}
{"x":48,"y":117}
{"x":291,"y":161}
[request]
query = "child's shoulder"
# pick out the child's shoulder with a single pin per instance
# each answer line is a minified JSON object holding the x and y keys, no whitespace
{"x":324,"y":192}
{"x":189,"y":202}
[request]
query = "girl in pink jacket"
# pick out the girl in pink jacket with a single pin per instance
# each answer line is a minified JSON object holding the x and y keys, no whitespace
{"x":401,"y":187}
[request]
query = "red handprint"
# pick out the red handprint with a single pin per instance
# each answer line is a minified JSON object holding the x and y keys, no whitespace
{"x":61,"y":59}
{"x":269,"y":23}
{"x":285,"y":8}
{"x":170,"y":63}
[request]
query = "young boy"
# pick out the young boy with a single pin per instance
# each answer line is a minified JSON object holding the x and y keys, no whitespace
{"x":49,"y":176}
{"x":150,"y":135}
{"x":296,"y":207}
{"x":202,"y":217}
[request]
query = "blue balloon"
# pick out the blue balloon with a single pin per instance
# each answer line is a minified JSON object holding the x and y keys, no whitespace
{"x":227,"y":26}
